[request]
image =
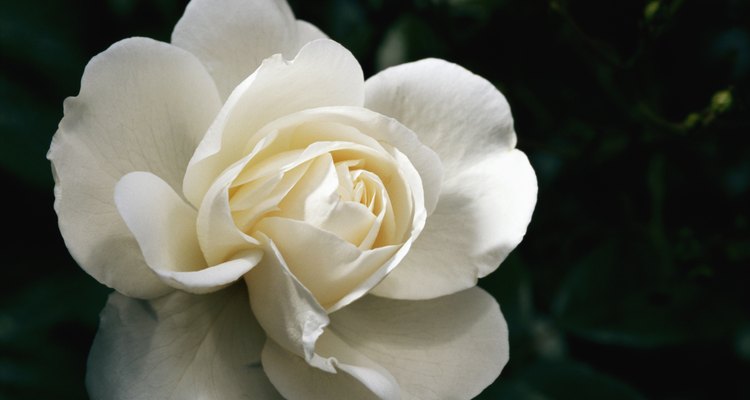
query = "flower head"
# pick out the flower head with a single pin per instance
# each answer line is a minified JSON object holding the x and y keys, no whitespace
{"x":275,"y":224}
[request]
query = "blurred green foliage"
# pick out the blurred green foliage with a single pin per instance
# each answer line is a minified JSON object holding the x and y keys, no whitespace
{"x":632,"y":281}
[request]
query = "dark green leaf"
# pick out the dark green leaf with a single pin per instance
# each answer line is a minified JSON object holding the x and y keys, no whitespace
{"x":547,"y":380}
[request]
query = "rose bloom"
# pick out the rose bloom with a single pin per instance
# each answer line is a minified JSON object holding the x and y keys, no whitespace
{"x":274,"y":225}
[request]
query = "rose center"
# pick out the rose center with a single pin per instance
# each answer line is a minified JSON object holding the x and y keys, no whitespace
{"x":333,"y":201}
{"x":330,"y":193}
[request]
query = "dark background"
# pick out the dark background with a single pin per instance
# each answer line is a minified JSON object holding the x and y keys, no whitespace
{"x":631,"y":282}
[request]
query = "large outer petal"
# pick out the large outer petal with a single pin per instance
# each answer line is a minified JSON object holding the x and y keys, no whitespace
{"x":451,"y":347}
{"x":481,"y":217}
{"x":458,"y":114}
{"x":489,"y":189}
{"x":232,"y":37}
{"x":179,"y":346}
{"x":143,"y":106}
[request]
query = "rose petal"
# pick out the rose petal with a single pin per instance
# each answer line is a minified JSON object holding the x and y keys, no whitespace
{"x":451,"y":347}
{"x":232,"y":37}
{"x":218,"y":232}
{"x":180,"y":346}
{"x":329,"y":129}
{"x":306,"y":33}
{"x":459,"y":115}
{"x":274,"y":169}
{"x":357,"y":377}
{"x":335,"y":271}
{"x":315,"y":200}
{"x":489,"y":189}
{"x":160,"y":220}
{"x":322,"y":74}
{"x":164,"y":226}
{"x":143,"y":105}
{"x":287,"y":311}
{"x":481,"y":217}
{"x":385,"y":130}
{"x":218,"y":235}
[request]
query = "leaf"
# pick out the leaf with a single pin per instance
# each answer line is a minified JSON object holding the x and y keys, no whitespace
{"x":41,"y":63}
{"x":46,"y":329}
{"x":619,"y":296}
{"x":560,"y":380}
{"x":26,"y":127}
{"x":511,"y":287}
{"x":409,"y":38}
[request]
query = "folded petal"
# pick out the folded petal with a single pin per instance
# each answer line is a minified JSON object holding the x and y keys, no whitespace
{"x":322,"y":74}
{"x":179,"y":346}
{"x":481,"y":217}
{"x":218,"y":235}
{"x":335,"y":271}
{"x":232,"y":37}
{"x":143,"y":106}
{"x":301,"y":359}
{"x":356,"y":376}
{"x":287,"y":311}
{"x":451,"y":347}
{"x":164,"y":226}
{"x":162,"y":222}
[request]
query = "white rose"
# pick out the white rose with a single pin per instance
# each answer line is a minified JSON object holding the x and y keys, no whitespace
{"x":250,"y":159}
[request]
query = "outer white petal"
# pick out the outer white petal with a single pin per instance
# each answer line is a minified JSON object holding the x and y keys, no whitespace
{"x":451,"y":347}
{"x":179,"y":346}
{"x":489,"y":189}
{"x":481,"y":217}
{"x":143,"y":105}
{"x":165,"y":227}
{"x":306,"y":33}
{"x":232,"y":37}
{"x":322,"y":74}
{"x":456,"y":113}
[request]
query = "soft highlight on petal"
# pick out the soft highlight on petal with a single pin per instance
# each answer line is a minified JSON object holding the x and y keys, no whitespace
{"x":459,"y":115}
{"x":488,"y":191}
{"x":161,"y":221}
{"x":451,"y":347}
{"x":481,"y":217}
{"x":143,"y":106}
